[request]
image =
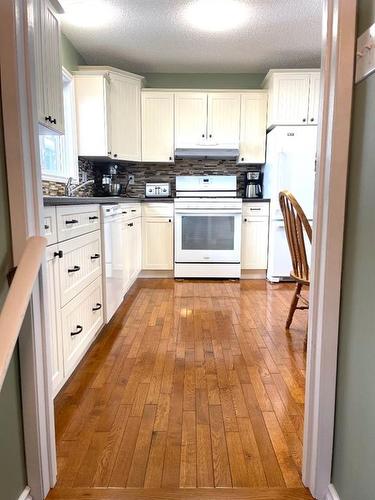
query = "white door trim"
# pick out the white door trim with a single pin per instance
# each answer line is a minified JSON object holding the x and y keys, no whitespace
{"x":25,"y":200}
{"x":18,"y":90}
{"x":339,"y":32}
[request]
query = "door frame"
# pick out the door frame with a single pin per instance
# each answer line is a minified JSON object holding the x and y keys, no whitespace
{"x":26,"y":204}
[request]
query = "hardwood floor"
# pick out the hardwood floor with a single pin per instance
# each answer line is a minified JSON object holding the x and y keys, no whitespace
{"x":192,"y":385}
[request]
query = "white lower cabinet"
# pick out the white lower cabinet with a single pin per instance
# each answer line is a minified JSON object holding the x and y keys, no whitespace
{"x":74,"y":296}
{"x":131,"y":236}
{"x":54,"y":317}
{"x":157,"y":239}
{"x":254,"y":236}
{"x":80,"y":320}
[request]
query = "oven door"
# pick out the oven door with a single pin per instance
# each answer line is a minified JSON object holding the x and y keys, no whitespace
{"x":207,"y":236}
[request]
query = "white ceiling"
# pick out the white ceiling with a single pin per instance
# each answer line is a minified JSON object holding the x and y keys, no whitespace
{"x":153,"y":36}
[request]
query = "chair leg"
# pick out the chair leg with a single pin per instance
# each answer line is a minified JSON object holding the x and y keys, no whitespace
{"x":293,"y":305}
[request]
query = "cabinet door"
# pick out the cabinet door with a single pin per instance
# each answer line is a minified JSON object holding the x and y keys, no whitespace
{"x":290,"y":99}
{"x":253,"y":128}
{"x":157,"y":126}
{"x":54,"y":318}
{"x":91,"y":93}
{"x":125,"y":113}
{"x":254,"y":243}
{"x":138,"y":249}
{"x":51,"y":69}
{"x":157,"y":243}
{"x":190,"y":119}
{"x":314,"y":97}
{"x":224,"y":118}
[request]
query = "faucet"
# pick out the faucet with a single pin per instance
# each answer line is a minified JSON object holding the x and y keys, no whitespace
{"x":69,"y":189}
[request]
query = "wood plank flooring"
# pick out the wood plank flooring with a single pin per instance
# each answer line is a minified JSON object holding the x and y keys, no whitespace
{"x":192,"y":385}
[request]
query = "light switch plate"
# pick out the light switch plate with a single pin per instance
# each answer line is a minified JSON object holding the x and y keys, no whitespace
{"x":365,"y":57}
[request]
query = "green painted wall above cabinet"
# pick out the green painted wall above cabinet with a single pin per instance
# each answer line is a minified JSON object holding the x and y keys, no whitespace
{"x":70,"y":57}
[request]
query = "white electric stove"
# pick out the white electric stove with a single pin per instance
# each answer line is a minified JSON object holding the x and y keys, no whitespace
{"x":207,"y":227}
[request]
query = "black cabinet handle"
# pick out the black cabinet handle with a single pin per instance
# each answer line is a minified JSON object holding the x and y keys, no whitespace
{"x":48,"y":118}
{"x":95,"y":217}
{"x":95,"y":256}
{"x":202,"y":135}
{"x":74,"y":269}
{"x":255,"y":209}
{"x":46,"y":226}
{"x":170,"y":158}
{"x":312,"y":119}
{"x":79,"y":330}
{"x":131,"y":224}
{"x":72,"y":221}
{"x":53,"y":121}
{"x":97,"y":307}
{"x":170,"y":220}
{"x":115,"y":155}
{"x":242,"y":159}
{"x":304,"y":120}
{"x":109,"y":152}
{"x":124,"y":212}
{"x":58,"y":254}
{"x":245,"y":220}
{"x":210,"y":136}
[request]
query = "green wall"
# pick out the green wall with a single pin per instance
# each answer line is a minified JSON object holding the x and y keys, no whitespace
{"x":353,"y":472}
{"x":204,"y":80}
{"x":12,"y":461}
{"x":70,"y":57}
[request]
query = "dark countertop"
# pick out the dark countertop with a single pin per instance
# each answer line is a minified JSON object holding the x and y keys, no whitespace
{"x":100,"y":200}
{"x":256,"y":200}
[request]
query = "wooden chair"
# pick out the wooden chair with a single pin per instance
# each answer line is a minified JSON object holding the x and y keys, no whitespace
{"x":296,"y":224}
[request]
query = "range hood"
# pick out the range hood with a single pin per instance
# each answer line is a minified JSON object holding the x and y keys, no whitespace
{"x":230,"y":152}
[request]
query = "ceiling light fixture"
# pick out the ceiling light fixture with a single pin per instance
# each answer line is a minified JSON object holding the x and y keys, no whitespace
{"x":216,"y":15}
{"x":85,"y":14}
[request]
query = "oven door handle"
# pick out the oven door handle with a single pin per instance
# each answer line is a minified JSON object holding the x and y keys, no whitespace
{"x":214,"y":211}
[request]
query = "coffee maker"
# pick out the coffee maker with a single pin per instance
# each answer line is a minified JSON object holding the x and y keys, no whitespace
{"x":254,"y":184}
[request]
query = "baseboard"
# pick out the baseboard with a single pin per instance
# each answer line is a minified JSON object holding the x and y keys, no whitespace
{"x":253,"y":274}
{"x":332,"y":493}
{"x":25,"y":495}
{"x":145,"y":273}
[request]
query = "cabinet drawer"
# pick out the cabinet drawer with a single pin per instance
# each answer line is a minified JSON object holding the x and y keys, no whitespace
{"x":50,"y":226}
{"x":131,"y":211}
{"x":255,"y":209}
{"x":76,"y":220}
{"x":156,"y":209}
{"x":80,"y":321}
{"x":80,"y":265}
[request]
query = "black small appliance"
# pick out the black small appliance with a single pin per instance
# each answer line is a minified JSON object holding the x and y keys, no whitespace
{"x":254,"y":184}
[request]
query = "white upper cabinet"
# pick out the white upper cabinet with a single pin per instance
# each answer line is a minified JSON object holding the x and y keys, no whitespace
{"x":108,"y":106}
{"x":204,"y":119}
{"x":253,"y":127}
{"x":125,"y":127}
{"x":190,"y":119}
{"x":223,"y":118}
{"x":48,"y":68}
{"x":291,"y":96}
{"x":314,"y":97}
{"x":157,"y":126}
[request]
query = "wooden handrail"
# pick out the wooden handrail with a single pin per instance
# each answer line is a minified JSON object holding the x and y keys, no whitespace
{"x":15,"y":305}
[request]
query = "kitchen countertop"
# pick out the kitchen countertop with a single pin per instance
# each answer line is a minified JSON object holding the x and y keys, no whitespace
{"x":111,"y":200}
{"x":101,"y":200}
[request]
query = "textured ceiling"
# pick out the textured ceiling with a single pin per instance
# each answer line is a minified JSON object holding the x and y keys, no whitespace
{"x":153,"y":36}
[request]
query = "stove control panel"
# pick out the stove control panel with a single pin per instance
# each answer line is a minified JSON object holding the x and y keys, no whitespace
{"x":158,"y":189}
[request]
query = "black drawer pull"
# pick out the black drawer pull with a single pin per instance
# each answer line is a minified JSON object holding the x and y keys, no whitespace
{"x":58,"y":254}
{"x":245,"y":220}
{"x":95,"y":256}
{"x":124,"y":212}
{"x":170,"y":220}
{"x":95,"y":217}
{"x":74,"y":270}
{"x":255,"y":209}
{"x":133,"y":210}
{"x":53,"y":121}
{"x":46,"y":226}
{"x":72,"y":221}
{"x":79,"y":330}
{"x":97,"y":307}
{"x":131,"y":224}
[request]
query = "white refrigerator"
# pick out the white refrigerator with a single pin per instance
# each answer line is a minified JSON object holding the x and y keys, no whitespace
{"x":290,"y":164}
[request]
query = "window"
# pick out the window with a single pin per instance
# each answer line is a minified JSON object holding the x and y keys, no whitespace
{"x":58,"y":153}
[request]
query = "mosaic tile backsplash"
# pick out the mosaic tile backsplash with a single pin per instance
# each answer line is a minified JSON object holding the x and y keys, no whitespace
{"x":150,"y":172}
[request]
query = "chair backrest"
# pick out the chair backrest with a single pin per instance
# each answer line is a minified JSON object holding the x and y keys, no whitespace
{"x":296,"y":224}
